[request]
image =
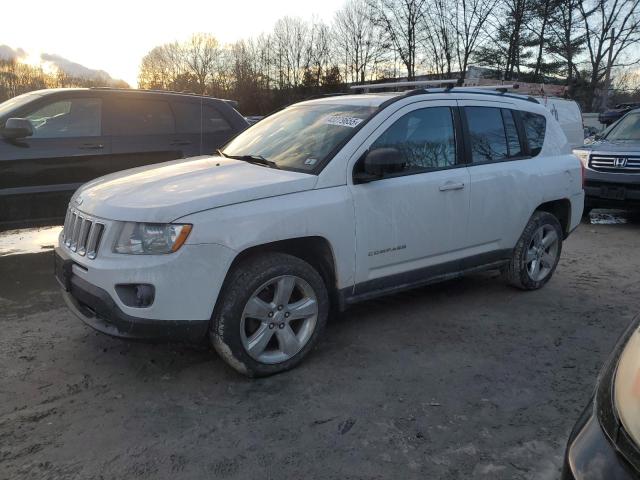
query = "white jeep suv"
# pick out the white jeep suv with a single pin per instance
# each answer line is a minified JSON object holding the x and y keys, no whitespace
{"x":326,"y":203}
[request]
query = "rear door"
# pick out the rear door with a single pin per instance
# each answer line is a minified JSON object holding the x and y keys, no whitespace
{"x":200,"y":127}
{"x":499,"y":173}
{"x":38,"y":174}
{"x":142,"y":131}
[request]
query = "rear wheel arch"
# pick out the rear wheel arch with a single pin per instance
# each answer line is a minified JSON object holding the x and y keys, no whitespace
{"x":561,"y":209}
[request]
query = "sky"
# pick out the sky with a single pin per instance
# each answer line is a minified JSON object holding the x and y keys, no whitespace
{"x":115,"y":35}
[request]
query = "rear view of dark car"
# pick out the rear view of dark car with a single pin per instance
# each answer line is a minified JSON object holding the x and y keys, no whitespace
{"x":616,"y":113}
{"x":52,"y":141}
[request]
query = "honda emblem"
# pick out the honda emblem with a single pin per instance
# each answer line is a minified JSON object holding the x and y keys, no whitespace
{"x":620,"y":162}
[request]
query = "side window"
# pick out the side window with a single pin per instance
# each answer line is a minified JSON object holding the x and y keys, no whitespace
{"x":513,"y":139}
{"x":188,"y":119}
{"x":425,"y":139}
{"x":213,"y":121}
{"x":142,"y":117}
{"x":487,"y":134}
{"x":535,"y":127}
{"x":74,"y":117}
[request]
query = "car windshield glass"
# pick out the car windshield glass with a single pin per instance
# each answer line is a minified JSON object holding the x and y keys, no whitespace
{"x":299,"y":137}
{"x":628,"y":128}
{"x":15,"y":102}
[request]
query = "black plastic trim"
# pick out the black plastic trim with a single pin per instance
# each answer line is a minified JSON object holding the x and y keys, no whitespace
{"x":95,"y":307}
{"x":423,"y":276}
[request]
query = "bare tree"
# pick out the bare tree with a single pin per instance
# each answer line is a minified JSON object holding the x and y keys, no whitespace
{"x":358,"y":37}
{"x":201,"y":53}
{"x":611,"y":27}
{"x":470,"y":23}
{"x":291,"y":36}
{"x":400,"y":21}
{"x":439,"y":35}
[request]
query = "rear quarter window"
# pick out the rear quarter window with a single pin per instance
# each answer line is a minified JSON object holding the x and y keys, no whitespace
{"x":193,"y":118}
{"x":535,"y":127}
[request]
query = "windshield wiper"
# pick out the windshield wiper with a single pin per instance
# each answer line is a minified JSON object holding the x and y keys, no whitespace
{"x":257,"y":159}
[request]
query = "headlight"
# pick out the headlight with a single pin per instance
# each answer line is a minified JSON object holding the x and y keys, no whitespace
{"x":627,"y":387}
{"x":151,"y":238}
{"x":583,"y":155}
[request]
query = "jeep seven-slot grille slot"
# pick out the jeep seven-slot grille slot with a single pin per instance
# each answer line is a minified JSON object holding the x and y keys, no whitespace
{"x":82,"y":234}
{"x":615,"y":163}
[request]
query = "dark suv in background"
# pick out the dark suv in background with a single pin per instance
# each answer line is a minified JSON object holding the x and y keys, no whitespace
{"x":52,"y":141}
{"x":612,"y":165}
{"x":616,"y":113}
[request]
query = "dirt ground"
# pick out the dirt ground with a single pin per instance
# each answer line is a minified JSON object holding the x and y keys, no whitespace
{"x":466,"y":379}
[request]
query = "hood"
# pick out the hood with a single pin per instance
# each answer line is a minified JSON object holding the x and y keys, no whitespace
{"x":616,"y":146}
{"x":167,"y":191}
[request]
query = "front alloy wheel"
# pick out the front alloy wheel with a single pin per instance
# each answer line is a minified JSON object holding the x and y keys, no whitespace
{"x":270,"y":314}
{"x":279,"y":319}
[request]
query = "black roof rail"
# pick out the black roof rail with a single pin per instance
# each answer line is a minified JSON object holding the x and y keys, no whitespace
{"x":501,"y":93}
{"x":152,"y":90}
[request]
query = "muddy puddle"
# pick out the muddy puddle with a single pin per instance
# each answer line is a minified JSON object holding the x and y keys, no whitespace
{"x":28,"y":240}
{"x":600,"y":216}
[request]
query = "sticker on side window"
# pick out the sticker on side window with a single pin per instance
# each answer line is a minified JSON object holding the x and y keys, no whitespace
{"x":351,"y":122}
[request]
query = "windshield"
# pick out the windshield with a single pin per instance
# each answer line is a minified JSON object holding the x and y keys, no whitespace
{"x":299,"y":137}
{"x":628,"y":128}
{"x":15,"y":102}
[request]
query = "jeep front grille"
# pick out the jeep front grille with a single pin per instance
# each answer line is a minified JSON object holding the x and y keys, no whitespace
{"x":615,"y":163}
{"x":82,"y":234}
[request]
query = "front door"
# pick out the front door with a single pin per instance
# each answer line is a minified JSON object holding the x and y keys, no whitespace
{"x":411,"y":224}
{"x":38,"y":174}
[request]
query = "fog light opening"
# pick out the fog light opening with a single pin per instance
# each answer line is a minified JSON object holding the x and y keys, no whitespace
{"x":137,"y":295}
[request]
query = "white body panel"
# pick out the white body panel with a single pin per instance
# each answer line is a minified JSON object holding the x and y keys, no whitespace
{"x":567,"y":113}
{"x":234,"y":206}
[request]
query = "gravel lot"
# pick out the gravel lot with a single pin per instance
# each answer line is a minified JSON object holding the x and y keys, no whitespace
{"x":467,"y":379}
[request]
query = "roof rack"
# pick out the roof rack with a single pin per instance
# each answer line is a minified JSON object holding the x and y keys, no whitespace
{"x":499,"y":88}
{"x":450,"y":83}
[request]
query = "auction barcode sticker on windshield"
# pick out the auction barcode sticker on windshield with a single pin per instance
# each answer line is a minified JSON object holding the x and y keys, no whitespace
{"x":341,"y":121}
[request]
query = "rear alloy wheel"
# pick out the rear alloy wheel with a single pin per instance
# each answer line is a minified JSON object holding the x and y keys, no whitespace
{"x":270,"y":314}
{"x":537,"y":253}
{"x":542,"y":253}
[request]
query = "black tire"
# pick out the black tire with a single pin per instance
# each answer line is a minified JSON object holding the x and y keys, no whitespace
{"x":240,"y":285}
{"x":517,"y":273}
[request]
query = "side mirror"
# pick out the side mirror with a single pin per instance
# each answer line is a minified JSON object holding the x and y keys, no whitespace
{"x":17,"y":128}
{"x":379,"y":162}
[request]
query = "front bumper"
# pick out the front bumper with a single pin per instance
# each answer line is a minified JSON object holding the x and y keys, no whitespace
{"x":599,"y":448}
{"x":604,"y":189}
{"x":98,"y":309}
{"x":590,"y":454}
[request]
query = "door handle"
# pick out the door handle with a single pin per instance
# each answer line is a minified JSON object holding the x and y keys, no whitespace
{"x":181,"y":142}
{"x":92,"y":146}
{"x":445,"y":187}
